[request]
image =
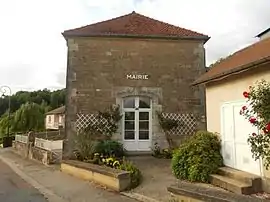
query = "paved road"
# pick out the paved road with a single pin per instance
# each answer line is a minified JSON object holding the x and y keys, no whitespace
{"x":14,"y":189}
{"x":55,"y":185}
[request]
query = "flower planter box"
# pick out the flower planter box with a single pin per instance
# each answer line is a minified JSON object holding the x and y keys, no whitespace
{"x":114,"y":179}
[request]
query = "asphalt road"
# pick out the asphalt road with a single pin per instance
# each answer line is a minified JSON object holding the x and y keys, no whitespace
{"x":14,"y":189}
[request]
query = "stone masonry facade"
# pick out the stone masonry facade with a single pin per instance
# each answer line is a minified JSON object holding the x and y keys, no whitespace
{"x":97,"y":78}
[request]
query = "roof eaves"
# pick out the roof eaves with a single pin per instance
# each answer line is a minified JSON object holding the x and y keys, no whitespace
{"x":59,"y":110}
{"x":232,"y":71}
{"x":203,"y":38}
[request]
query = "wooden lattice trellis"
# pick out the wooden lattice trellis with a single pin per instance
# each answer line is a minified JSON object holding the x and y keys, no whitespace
{"x":187,"y":122}
{"x":84,"y":120}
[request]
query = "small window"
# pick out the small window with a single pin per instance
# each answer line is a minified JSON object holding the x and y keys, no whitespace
{"x":49,"y":119}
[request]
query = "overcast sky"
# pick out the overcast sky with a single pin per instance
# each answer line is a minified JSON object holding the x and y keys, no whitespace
{"x":33,"y":51}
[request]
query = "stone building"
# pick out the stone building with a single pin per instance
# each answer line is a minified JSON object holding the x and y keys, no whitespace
{"x":141,"y":64}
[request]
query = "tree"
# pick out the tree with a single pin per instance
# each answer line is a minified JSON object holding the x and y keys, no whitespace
{"x":257,"y":112}
{"x":218,"y":61}
{"x":30,"y":116}
{"x":53,"y":99}
{"x":4,"y":124}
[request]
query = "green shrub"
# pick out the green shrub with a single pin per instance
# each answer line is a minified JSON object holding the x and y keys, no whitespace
{"x":161,"y":153}
{"x":84,"y":146}
{"x":135,"y":173}
{"x":110,"y":148}
{"x":198,"y":157}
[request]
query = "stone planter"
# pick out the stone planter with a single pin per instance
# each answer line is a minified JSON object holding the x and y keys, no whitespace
{"x":114,"y":179}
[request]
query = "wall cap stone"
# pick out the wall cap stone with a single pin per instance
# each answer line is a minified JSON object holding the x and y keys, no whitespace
{"x":120,"y":174}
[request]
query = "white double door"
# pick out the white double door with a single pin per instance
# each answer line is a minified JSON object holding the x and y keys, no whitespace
{"x":137,"y":130}
{"x":235,"y":130}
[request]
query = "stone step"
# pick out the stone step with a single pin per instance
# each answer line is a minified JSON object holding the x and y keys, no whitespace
{"x":242,"y":176}
{"x":232,"y":185}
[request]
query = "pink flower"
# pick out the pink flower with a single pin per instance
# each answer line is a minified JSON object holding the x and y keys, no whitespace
{"x":252,"y":120}
{"x":254,"y":134}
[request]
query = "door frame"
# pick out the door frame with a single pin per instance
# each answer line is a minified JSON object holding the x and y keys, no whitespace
{"x":136,"y":111}
{"x":231,"y":103}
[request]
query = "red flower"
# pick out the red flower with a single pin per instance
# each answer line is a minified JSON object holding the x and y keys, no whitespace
{"x":252,"y":120}
{"x":254,"y":134}
{"x":244,"y":108}
{"x":246,"y":94}
{"x":268,"y":126}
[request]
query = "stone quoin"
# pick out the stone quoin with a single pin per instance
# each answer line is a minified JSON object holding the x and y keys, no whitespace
{"x":147,"y":71}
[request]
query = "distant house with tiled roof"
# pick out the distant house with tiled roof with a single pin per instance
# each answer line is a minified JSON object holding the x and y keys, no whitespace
{"x":225,"y":84}
{"x":144,"y":66}
{"x":55,"y":119}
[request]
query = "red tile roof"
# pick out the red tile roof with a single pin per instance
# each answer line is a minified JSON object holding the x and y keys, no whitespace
{"x":246,"y":58}
{"x":134,"y":24}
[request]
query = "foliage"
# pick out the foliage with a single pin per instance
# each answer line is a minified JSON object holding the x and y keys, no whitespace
{"x":257,"y":112}
{"x":4,"y":124}
{"x":121,"y":164}
{"x":53,"y":99}
{"x":85,"y":145}
{"x":167,"y":125}
{"x":29,"y":116}
{"x":45,"y":99}
{"x":135,"y":173}
{"x":107,"y":123}
{"x":110,"y":148}
{"x":161,"y":153}
{"x":218,"y":61}
{"x":198,"y":157}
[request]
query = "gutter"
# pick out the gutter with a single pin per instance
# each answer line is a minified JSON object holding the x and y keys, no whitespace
{"x":233,"y":71}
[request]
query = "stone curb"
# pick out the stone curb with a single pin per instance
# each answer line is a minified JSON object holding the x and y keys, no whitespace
{"x":50,"y":195}
{"x":139,"y":197}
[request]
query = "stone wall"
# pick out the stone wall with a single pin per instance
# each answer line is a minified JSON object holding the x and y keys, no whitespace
{"x":98,"y":68}
{"x":21,"y":148}
{"x":27,"y":150}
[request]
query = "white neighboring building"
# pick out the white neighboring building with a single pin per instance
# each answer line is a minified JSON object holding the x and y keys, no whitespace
{"x":55,"y":119}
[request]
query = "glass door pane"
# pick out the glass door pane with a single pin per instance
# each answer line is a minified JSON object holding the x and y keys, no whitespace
{"x":143,"y":125}
{"x":129,"y":126}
